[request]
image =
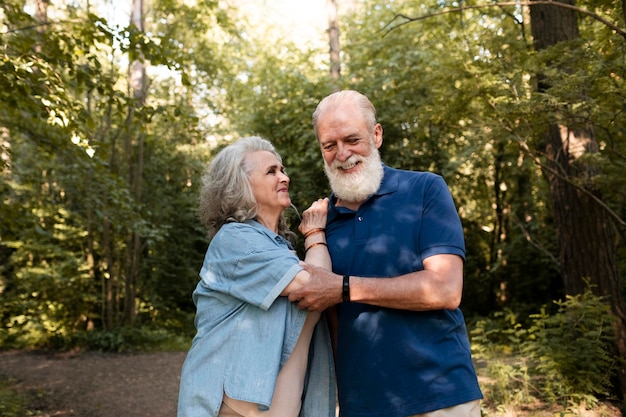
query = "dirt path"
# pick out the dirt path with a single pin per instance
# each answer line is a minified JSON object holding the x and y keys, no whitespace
{"x":95,"y":384}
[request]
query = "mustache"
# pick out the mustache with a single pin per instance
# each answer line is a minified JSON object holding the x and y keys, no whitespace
{"x":348,"y":163}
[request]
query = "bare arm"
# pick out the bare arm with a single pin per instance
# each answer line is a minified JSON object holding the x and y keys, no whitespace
{"x":438,"y":286}
{"x":312,"y":226}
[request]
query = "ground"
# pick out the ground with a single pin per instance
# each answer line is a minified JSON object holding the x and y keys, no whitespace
{"x":93,"y":384}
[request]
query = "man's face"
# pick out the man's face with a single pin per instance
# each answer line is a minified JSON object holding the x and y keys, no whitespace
{"x":350,"y":152}
{"x":343,"y":132}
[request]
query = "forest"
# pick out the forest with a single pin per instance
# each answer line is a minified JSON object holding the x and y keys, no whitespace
{"x":107,"y":123}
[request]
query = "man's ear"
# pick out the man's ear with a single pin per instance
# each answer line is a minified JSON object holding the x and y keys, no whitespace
{"x":378,"y":135}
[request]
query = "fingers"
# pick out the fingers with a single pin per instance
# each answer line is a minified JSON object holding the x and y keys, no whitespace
{"x":320,"y":204}
{"x":315,"y":214}
{"x":300,"y":299}
{"x":323,"y":202}
{"x":293,"y":296}
{"x":309,"y":306}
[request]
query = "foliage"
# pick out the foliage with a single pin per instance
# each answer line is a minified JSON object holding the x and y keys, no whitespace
{"x":14,"y":403}
{"x":455,"y":93}
{"x":447,"y":105}
{"x":70,"y":200}
{"x":11,"y":404}
{"x":573,"y":349}
{"x":133,"y":339}
{"x":274,"y":97}
{"x":563,"y":358}
{"x":497,"y":347}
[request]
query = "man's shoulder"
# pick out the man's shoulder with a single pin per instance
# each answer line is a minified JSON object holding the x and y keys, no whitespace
{"x":410,"y":172}
{"x":414,"y":178}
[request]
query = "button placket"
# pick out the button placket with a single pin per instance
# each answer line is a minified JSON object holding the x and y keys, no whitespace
{"x":360,"y":227}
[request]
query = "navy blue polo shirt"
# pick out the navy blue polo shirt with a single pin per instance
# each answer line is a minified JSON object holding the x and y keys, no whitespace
{"x":396,"y":363}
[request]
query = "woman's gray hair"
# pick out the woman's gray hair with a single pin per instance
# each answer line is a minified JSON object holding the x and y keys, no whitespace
{"x":226,"y":194}
{"x":335,"y":100}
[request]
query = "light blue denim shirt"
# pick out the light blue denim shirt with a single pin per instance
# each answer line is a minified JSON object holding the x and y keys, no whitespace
{"x":246,"y":331}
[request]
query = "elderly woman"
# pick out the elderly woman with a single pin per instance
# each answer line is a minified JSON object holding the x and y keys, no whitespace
{"x":255,"y":353}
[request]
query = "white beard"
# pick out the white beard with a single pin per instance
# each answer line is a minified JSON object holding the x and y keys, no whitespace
{"x":356,"y":187}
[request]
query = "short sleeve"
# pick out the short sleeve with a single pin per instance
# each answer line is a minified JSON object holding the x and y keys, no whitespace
{"x":442,"y":231}
{"x":249,"y":263}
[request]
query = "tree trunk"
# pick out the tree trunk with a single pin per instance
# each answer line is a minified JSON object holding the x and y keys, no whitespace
{"x":584,"y":228}
{"x":333,"y":40}
{"x":107,"y":277}
{"x":135,"y":155}
{"x":41,"y":15}
{"x":500,"y":232}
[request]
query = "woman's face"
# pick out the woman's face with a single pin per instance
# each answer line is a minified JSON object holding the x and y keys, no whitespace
{"x":269,"y":182}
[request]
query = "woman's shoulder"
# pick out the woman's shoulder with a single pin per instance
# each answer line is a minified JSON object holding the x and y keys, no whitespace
{"x":237,"y":226}
{"x":238,"y":233}
{"x":247,"y":227}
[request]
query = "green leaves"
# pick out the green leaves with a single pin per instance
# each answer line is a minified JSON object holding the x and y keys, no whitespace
{"x":455,"y":93}
{"x":573,"y":349}
{"x":67,"y":203}
{"x":564,"y":356}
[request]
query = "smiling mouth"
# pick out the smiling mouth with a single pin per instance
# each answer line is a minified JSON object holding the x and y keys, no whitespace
{"x":349,"y":167}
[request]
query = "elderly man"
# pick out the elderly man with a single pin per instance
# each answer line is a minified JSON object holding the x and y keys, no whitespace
{"x":397,"y":251}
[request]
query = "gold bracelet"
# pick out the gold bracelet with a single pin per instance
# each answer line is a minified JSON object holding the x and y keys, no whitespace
{"x":315,"y":244}
{"x":313,"y":231}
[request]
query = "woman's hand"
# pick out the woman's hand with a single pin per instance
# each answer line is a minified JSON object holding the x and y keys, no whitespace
{"x":314,"y":217}
{"x":312,"y":227}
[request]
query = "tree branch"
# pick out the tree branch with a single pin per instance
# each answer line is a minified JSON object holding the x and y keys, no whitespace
{"x":388,"y":27}
{"x":534,"y":243}
{"x":537,"y":160}
{"x":584,"y":190}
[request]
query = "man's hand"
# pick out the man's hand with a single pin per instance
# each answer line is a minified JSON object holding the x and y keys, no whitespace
{"x":322,"y":290}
